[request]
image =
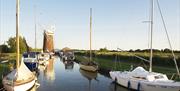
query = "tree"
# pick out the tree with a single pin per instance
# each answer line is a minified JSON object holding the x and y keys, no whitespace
{"x":131,"y":50}
{"x":138,"y":50}
{"x":166,"y":50}
{"x":4,"y":48}
{"x":12,"y":44}
{"x":103,"y":49}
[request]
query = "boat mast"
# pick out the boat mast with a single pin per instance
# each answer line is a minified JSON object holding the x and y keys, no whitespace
{"x":35,"y":27}
{"x":151,"y":29}
{"x":17,"y":34}
{"x":90,"y":33}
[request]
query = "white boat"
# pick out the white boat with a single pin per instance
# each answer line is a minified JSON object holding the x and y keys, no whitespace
{"x":21,"y":78}
{"x":142,"y":80}
{"x":43,"y":58}
{"x":89,"y":65}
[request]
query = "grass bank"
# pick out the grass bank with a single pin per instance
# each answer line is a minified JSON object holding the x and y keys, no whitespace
{"x":7,"y":56}
{"x":6,"y":66}
{"x":159,"y":58}
{"x":125,"y":60}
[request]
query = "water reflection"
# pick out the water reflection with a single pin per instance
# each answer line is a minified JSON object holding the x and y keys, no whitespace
{"x":55,"y":76}
{"x":90,"y":76}
{"x":49,"y":70}
{"x":42,"y":67}
{"x":68,"y":65}
{"x":115,"y":87}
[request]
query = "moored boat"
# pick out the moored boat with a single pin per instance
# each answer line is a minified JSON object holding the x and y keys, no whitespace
{"x":43,"y":58}
{"x":67,"y":54}
{"x":21,"y":78}
{"x":89,"y":65}
{"x":31,"y":60}
{"x":142,"y":80}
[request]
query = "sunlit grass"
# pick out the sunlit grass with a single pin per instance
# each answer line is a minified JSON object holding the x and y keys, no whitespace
{"x":110,"y":64}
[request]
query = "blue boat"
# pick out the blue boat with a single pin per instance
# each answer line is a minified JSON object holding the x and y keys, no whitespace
{"x":30,"y":60}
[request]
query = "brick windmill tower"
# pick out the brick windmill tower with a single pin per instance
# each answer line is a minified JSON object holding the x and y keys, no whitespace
{"x":48,"y":43}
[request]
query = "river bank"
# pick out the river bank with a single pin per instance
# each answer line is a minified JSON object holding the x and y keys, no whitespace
{"x":124,"y":61}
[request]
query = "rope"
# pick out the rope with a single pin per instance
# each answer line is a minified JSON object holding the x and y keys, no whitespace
{"x":116,"y":63}
{"x":136,"y":56}
{"x":144,"y":65}
{"x":119,"y":63}
{"x":115,"y":67}
{"x":165,"y":28}
{"x":173,"y":76}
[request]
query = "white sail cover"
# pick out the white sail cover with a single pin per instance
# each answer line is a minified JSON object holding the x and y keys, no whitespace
{"x":23,"y":73}
{"x":139,"y":72}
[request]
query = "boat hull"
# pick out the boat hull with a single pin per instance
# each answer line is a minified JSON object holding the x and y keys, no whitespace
{"x":142,"y":85}
{"x":31,"y":65}
{"x":88,"y":68}
{"x":42,"y":62}
{"x":22,"y":87}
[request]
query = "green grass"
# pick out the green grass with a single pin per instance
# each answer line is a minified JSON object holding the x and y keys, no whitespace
{"x":159,"y":58}
{"x":7,"y":56}
{"x":5,"y":67}
{"x":109,"y":64}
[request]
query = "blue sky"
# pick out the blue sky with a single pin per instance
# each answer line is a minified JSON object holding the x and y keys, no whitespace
{"x":116,"y":23}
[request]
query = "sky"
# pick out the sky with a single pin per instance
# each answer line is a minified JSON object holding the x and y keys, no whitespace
{"x":115,"y":23}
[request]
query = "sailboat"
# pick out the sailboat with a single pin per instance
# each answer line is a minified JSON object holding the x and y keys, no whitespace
{"x":31,"y":58}
{"x":21,"y":78}
{"x":89,"y":65}
{"x":142,"y":80}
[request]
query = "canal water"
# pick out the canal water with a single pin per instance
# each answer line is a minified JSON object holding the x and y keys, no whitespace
{"x":67,"y":76}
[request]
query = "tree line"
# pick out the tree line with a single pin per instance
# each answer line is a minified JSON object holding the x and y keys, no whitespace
{"x":10,"y":45}
{"x":166,"y":50}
